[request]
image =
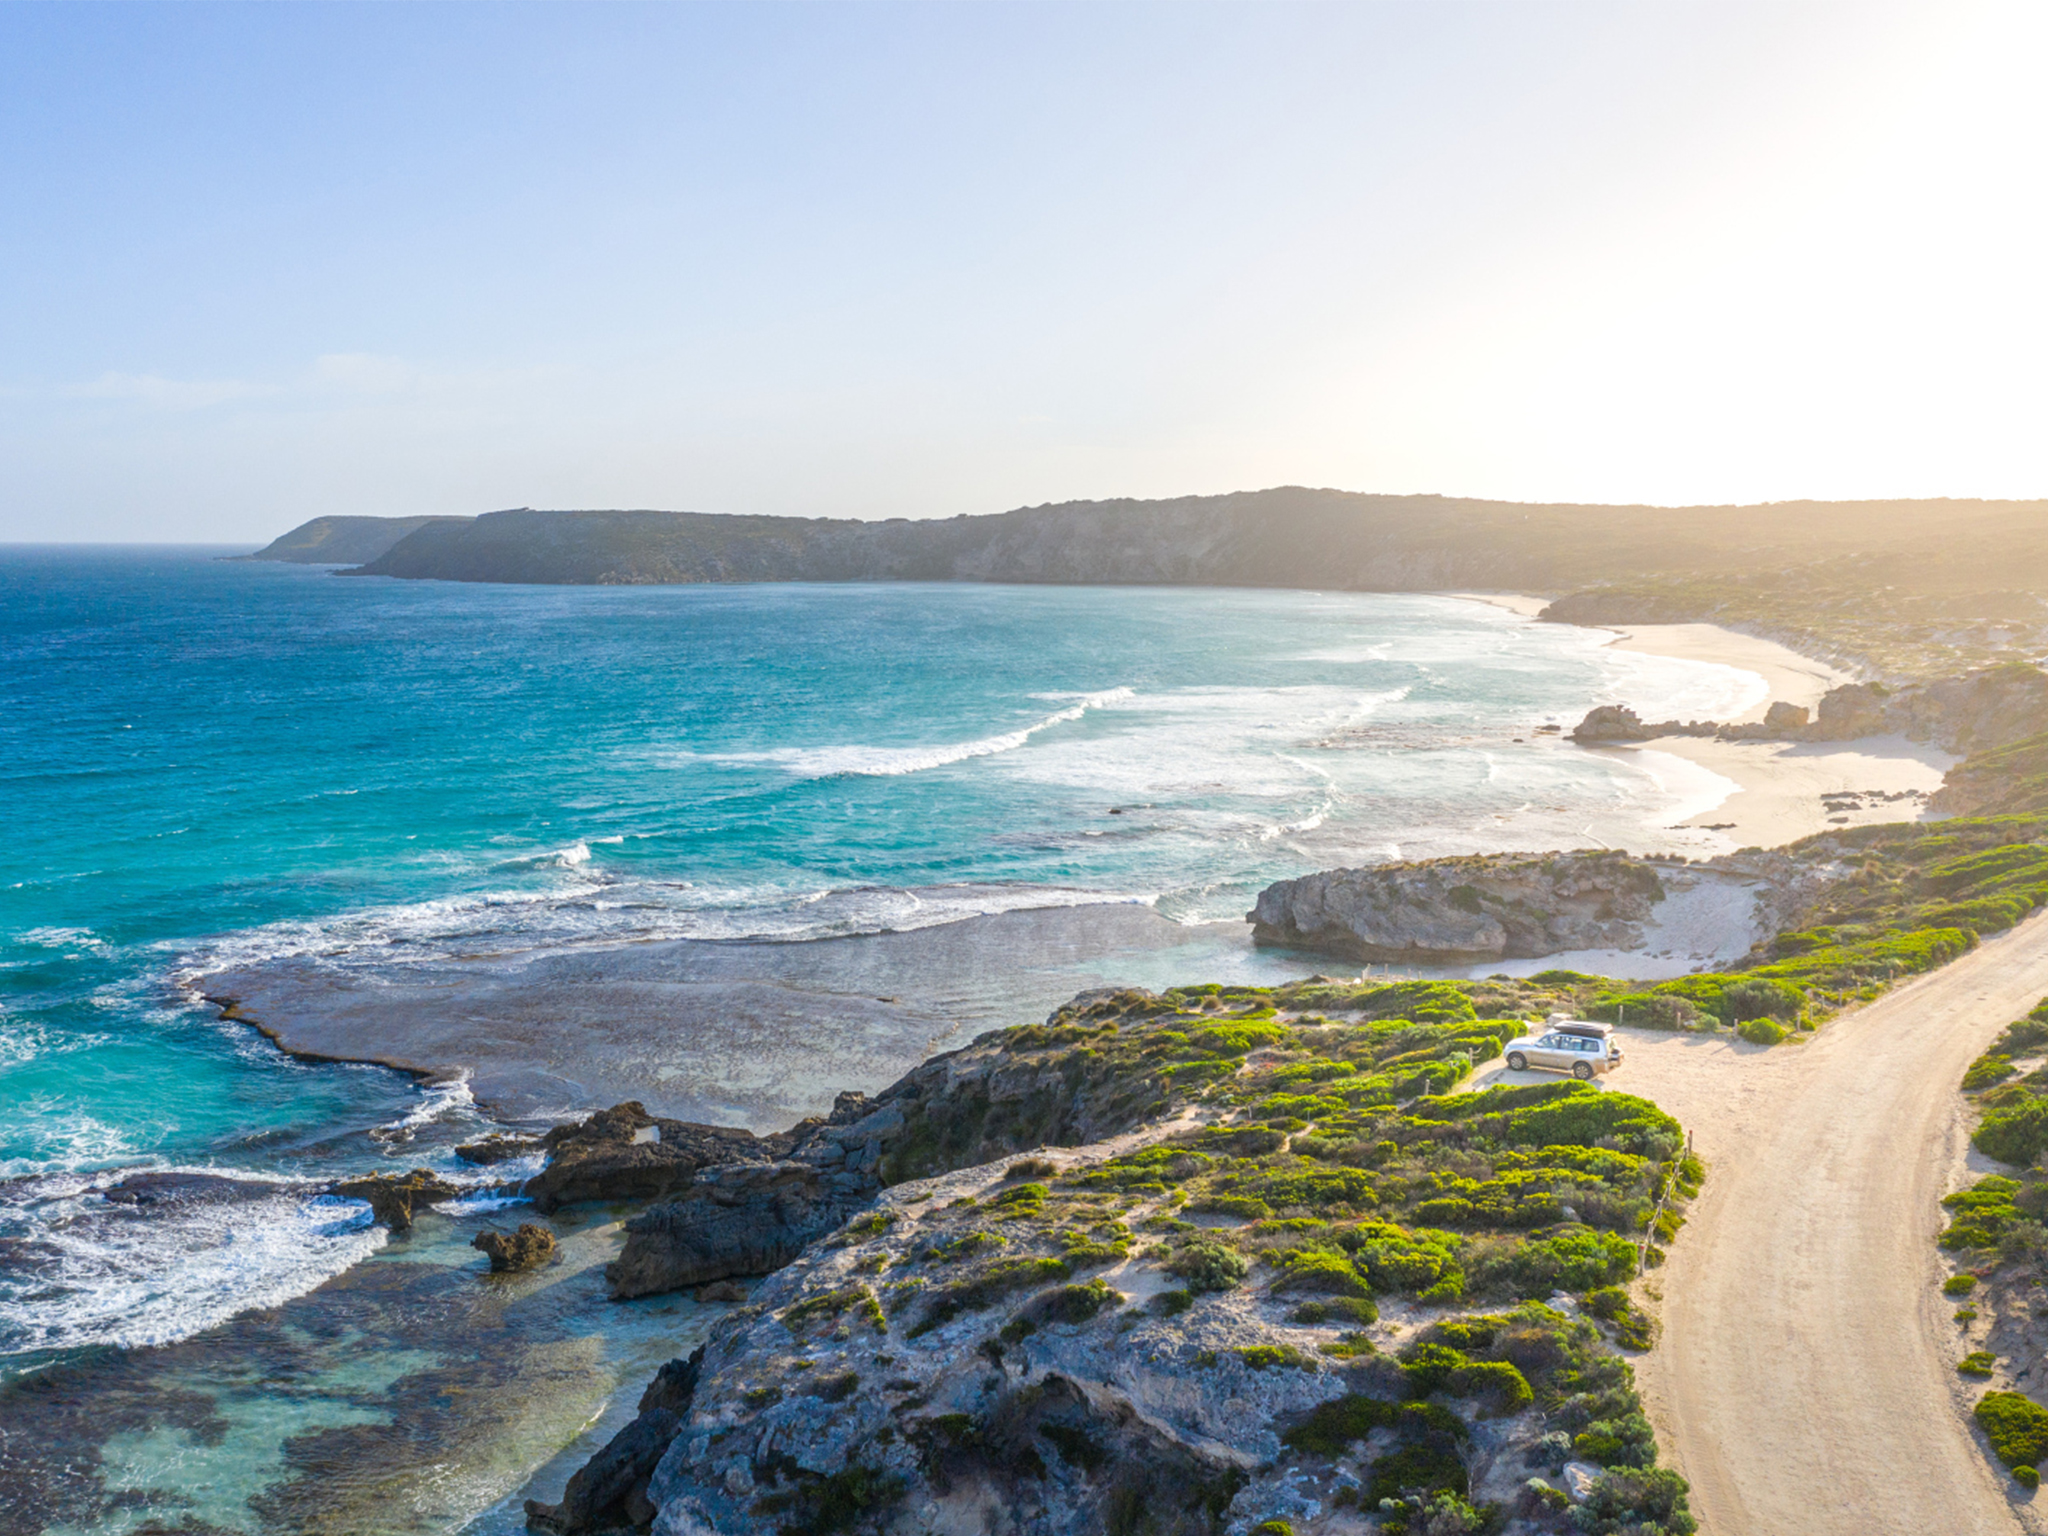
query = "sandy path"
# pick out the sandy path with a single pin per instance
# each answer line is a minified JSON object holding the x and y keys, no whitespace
{"x":1806,"y":1381}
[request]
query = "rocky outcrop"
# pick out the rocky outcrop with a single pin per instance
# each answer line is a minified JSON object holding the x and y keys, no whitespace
{"x":1463,"y":911}
{"x":610,"y":1491}
{"x":1974,"y":713}
{"x":509,"y":1252}
{"x":1008,"y":1091}
{"x":624,"y":1153}
{"x":393,"y":1197}
{"x":740,"y":1220}
{"x":499,"y":1147}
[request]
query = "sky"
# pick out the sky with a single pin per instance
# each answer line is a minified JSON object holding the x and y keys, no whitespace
{"x":260,"y":263}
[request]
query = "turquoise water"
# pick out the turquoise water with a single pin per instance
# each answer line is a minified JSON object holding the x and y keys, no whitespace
{"x":209,"y":763}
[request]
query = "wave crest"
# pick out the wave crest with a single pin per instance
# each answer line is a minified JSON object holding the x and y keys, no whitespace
{"x":888,"y":762}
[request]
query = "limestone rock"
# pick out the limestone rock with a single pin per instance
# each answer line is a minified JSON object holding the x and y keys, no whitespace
{"x":394,"y":1196}
{"x":742,"y":1219}
{"x":624,"y":1153}
{"x":498,"y":1147}
{"x":610,"y":1490}
{"x":1611,"y":722}
{"x":1785,"y":717}
{"x":1578,"y":1478}
{"x":528,"y":1248}
{"x":1463,"y":911}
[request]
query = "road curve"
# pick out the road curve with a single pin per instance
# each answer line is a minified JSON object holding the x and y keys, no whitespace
{"x":1806,"y":1381}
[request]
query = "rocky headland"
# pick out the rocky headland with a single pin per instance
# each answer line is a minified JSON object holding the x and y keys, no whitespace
{"x":1193,"y":1261}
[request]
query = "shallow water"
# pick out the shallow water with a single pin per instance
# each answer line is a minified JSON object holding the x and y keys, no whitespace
{"x":217,"y":767}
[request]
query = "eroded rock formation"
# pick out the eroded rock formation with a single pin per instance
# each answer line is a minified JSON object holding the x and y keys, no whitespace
{"x":624,"y":1153}
{"x":1463,"y":911}
{"x":393,"y":1197}
{"x":528,"y":1248}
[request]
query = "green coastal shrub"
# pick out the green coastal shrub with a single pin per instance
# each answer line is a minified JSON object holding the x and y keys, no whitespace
{"x":1978,"y":1362}
{"x":1987,"y":1071}
{"x":1423,"y":1262}
{"x":1636,"y":1500}
{"x":2016,"y":1426}
{"x":1958,"y":1285}
{"x":1208,"y":1266}
{"x":1338,"y":1309}
{"x":1761,"y":1031}
{"x":2016,"y":1134}
{"x":1496,"y":1382}
{"x":1327,"y":1274}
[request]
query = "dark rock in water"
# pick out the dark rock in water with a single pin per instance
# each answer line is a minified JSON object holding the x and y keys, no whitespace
{"x":498,"y":1147}
{"x":186,"y":1189}
{"x":610,"y":1490}
{"x":393,"y":1196}
{"x":1464,"y":910}
{"x":744,"y":1219}
{"x":528,"y":1248}
{"x":624,"y":1153}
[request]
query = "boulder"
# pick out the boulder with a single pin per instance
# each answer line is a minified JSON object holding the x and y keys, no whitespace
{"x":1783,"y":717}
{"x":1578,"y":1478}
{"x":394,"y":1196}
{"x":610,"y":1490}
{"x":528,"y":1248}
{"x":1464,"y":911}
{"x":741,"y":1219}
{"x":499,"y":1147}
{"x":624,"y":1153}
{"x":1611,"y":722}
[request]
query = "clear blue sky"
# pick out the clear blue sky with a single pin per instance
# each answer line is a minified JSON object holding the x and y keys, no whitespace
{"x":262,"y":262}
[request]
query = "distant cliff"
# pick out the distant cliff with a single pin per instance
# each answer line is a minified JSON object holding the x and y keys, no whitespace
{"x":1286,"y":537}
{"x":343,"y":540}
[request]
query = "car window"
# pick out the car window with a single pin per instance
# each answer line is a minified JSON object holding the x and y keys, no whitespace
{"x":1548,"y":1040}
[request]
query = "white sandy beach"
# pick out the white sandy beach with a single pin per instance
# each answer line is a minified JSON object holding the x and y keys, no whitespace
{"x":1778,"y":785}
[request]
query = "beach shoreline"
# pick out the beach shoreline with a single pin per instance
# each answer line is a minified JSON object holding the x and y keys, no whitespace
{"x":1781,"y":791}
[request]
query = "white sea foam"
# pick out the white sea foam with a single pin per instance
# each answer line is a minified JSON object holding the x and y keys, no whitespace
{"x":888,"y":762}
{"x":111,"y":1275}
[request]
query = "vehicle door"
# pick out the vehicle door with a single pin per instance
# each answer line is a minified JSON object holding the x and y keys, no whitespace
{"x":1549,"y":1051}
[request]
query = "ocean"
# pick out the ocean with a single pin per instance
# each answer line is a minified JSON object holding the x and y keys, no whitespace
{"x":217,"y":767}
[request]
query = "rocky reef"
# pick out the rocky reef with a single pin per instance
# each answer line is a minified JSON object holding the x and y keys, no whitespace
{"x":1253,"y":1264}
{"x":1463,"y":911}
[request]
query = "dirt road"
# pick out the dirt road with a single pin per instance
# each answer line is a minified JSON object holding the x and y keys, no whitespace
{"x":1806,"y":1380}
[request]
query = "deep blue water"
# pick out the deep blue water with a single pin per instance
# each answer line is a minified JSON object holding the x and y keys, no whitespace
{"x":207,"y":762}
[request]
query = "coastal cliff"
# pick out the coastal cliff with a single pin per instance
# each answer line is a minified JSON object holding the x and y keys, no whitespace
{"x":1229,"y":1284}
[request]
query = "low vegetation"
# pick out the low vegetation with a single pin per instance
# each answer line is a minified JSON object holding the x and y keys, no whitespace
{"x":1328,"y":1174}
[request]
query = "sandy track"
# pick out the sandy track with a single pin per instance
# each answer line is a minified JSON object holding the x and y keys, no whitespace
{"x":1805,"y":1383}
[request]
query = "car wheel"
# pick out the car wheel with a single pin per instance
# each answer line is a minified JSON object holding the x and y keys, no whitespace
{"x":1583,"y":1071}
{"x":1517,"y":1062}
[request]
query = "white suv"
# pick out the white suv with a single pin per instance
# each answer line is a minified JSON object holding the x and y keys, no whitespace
{"x":1572,"y":1045}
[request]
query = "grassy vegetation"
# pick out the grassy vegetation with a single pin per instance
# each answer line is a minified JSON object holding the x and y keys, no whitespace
{"x":1905,"y":897}
{"x":1334,"y":1168}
